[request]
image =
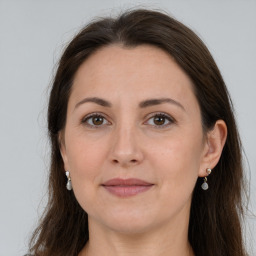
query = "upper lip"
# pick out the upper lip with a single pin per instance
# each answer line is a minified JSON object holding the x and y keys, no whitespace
{"x":126,"y":182}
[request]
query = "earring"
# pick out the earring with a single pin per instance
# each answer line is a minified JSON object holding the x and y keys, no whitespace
{"x":205,"y":185}
{"x":69,"y":184}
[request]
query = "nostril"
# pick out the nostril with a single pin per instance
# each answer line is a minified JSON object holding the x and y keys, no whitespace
{"x":133,"y":161}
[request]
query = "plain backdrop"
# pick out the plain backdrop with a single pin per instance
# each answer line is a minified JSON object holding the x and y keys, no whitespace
{"x":32,"y":37}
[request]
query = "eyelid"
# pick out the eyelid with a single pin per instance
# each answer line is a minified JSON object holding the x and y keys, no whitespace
{"x":95,"y":114}
{"x":163,"y":114}
{"x":100,"y":114}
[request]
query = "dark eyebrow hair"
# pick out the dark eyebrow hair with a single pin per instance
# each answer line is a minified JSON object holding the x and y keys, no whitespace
{"x":96,"y":100}
{"x":152,"y":102}
{"x":143,"y":104}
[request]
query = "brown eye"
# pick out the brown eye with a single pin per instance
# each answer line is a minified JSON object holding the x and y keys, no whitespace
{"x":97,"y":120}
{"x":159,"y":120}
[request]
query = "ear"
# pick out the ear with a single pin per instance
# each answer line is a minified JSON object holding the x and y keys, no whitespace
{"x":63,"y":152}
{"x":215,"y":141}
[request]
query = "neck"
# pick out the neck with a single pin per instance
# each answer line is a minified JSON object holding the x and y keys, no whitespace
{"x":162,"y":241}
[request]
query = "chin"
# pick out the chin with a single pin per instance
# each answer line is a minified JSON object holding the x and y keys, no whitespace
{"x":129,"y":222}
{"x":131,"y":228}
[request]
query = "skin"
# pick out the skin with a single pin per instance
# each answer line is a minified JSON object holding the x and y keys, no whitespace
{"x":130,"y":142}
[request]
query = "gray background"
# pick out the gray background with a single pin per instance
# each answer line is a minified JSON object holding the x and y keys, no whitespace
{"x":32,"y":36}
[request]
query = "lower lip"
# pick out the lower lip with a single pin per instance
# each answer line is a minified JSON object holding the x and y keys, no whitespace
{"x":127,"y":191}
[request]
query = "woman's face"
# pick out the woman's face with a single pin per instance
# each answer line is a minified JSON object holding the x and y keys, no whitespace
{"x":133,"y":141}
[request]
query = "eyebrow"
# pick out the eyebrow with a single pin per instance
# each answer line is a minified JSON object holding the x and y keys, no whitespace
{"x":96,"y":100}
{"x":143,"y":104}
{"x":152,"y":102}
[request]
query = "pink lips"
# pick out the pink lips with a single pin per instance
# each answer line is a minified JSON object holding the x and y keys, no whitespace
{"x":126,"y":187}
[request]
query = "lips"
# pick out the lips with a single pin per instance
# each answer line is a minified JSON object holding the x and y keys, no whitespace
{"x":126,"y":187}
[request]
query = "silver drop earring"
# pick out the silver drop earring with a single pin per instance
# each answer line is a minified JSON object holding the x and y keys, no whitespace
{"x":69,"y":185}
{"x":205,"y":185}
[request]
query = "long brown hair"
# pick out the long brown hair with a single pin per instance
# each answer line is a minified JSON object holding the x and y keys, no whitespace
{"x":215,"y":219}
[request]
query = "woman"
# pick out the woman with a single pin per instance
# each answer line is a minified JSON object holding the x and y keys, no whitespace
{"x":146,"y":156}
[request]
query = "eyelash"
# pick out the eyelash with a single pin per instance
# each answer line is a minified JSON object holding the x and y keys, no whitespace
{"x":162,"y":115}
{"x":94,"y":115}
{"x":154,"y":115}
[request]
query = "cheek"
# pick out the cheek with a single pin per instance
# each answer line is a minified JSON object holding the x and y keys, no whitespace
{"x":85,"y":158}
{"x":177,"y":162}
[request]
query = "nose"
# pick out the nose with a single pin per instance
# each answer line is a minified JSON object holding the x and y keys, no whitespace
{"x":126,"y":148}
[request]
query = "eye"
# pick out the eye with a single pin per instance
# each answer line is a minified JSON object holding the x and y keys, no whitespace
{"x":95,"y":120}
{"x":161,"y":120}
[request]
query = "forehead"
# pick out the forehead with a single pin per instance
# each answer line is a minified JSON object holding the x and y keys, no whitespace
{"x":139,"y":72}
